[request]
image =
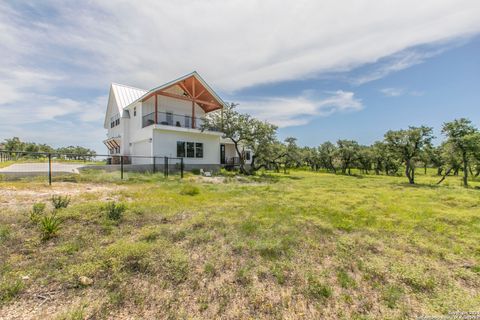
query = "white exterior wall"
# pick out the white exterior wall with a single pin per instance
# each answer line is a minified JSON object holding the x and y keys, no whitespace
{"x":138,"y":140}
{"x":165,"y":144}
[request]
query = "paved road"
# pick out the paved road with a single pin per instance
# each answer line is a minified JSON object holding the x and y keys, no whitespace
{"x":41,"y":168}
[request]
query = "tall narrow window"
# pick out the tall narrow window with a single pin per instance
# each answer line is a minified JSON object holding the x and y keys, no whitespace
{"x":187,"y":122}
{"x":190,"y":150}
{"x":180,"y":149}
{"x":247,"y":155}
{"x":198,"y":150}
{"x":169,"y":118}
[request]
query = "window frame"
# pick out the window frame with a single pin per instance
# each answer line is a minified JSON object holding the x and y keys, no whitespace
{"x":190,"y":153}
{"x":197,"y":145}
{"x":182,"y":149}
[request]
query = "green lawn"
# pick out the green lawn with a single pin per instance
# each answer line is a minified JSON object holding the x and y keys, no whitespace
{"x":302,"y":245}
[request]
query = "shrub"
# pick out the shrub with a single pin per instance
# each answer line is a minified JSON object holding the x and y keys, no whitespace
{"x":190,"y":190}
{"x":37,"y":211}
{"x":115,"y":210}
{"x":60,"y":201}
{"x":195,"y":171}
{"x":49,"y":226}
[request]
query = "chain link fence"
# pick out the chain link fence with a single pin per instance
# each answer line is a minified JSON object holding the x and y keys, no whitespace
{"x":84,"y":167}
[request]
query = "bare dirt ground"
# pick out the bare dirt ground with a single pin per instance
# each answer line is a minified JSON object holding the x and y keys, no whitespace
{"x":42,"y":167}
{"x":18,"y":197}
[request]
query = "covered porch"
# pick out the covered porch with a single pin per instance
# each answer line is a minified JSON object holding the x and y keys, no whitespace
{"x":180,"y":103}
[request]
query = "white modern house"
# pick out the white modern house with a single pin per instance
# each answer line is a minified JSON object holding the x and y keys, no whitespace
{"x":166,"y":122}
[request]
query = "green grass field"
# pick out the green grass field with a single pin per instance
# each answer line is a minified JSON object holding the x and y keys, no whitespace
{"x":298,"y":246}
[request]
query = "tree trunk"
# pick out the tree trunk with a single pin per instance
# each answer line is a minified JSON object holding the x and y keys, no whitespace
{"x":425,"y":167}
{"x":465,"y":169}
{"x":240,"y":158}
{"x":408,"y":172}
{"x":444,"y":176}
{"x":439,"y":171}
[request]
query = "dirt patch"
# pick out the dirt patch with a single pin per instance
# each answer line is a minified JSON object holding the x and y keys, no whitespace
{"x":214,"y":180}
{"x":19,"y":197}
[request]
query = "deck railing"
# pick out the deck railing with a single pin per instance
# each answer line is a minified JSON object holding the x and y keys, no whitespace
{"x":171,"y":119}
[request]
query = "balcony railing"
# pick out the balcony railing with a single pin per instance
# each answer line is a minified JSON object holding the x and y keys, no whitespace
{"x":171,"y":119}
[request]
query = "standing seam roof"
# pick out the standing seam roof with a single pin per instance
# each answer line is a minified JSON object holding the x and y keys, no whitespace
{"x":125,"y":95}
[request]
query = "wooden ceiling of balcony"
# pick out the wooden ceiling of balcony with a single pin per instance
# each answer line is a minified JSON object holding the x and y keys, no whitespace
{"x":194,"y":91}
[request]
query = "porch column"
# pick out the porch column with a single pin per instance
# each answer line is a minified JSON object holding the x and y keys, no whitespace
{"x":193,"y":102}
{"x":156,"y":109}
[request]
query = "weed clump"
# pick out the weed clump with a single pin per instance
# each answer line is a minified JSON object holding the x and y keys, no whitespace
{"x":60,"y":202}
{"x":190,"y":190}
{"x":9,"y":288}
{"x":37,"y":211}
{"x":318,"y":290}
{"x":49,"y":226}
{"x":4,"y":233}
{"x":115,"y":211}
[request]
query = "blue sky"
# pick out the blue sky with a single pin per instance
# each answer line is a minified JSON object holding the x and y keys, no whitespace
{"x":319,"y":70}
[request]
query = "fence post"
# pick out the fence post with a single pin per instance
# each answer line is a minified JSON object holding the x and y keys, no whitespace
{"x":165,"y":167}
{"x":181,"y":168}
{"x":121,"y":167}
{"x":154,"y":169}
{"x":49,"y":169}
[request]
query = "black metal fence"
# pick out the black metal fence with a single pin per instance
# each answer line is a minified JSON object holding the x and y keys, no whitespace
{"x":56,"y":166}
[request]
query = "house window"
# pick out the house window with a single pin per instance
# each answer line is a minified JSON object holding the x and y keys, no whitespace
{"x":115,"y":120}
{"x":134,"y":111}
{"x":169,"y":118}
{"x":198,"y":150}
{"x":190,"y":150}
{"x":247,"y":155}
{"x":180,"y":149}
{"x":187,"y":122}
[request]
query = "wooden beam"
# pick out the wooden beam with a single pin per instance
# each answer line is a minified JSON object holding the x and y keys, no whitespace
{"x":177,"y":96}
{"x":198,"y":95}
{"x":156,"y":109}
{"x":193,"y":102}
{"x":185,"y":89}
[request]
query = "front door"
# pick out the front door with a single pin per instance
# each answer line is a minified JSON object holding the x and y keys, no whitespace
{"x":222,"y":154}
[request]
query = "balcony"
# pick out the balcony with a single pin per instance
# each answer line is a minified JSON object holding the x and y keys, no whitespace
{"x":171,"y":119}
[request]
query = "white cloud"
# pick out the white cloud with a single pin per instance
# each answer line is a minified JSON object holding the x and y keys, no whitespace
{"x":235,"y":43}
{"x":401,"y":61}
{"x":392,"y":92}
{"x":397,"y":92}
{"x":232,"y":43}
{"x":294,"y":111}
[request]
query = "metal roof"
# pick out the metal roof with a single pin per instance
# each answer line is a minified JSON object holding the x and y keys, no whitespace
{"x":125,"y":95}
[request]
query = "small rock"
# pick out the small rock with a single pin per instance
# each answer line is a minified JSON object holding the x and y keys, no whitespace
{"x":25,"y":278}
{"x":85,"y":281}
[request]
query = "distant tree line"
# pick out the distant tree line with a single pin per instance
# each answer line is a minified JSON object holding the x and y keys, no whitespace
{"x":71,"y":152}
{"x":400,"y":152}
